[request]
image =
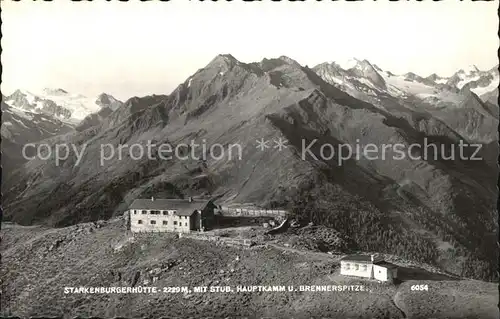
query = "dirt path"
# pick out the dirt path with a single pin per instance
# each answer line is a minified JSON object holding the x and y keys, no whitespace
{"x":393,"y":299}
{"x":316,"y":255}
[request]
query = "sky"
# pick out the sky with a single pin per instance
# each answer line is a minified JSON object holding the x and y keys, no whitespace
{"x":138,"y":48}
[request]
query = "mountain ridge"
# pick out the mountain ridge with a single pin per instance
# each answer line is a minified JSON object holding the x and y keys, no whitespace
{"x":229,"y":101}
{"x":60,"y":103}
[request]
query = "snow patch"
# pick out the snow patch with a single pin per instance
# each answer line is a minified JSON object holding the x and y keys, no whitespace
{"x":333,"y":79}
{"x":367,"y":82}
{"x":29,"y":96}
{"x":425,"y":95}
{"x":347,"y":64}
{"x":464,"y":80}
{"x":469,"y":70}
{"x":486,"y":89}
{"x":21,"y":113}
{"x":38,"y":105}
{"x":410,"y":87}
{"x":20,"y":122}
{"x":79,"y":105}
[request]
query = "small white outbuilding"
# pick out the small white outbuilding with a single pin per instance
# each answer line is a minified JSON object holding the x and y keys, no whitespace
{"x":368,"y":266}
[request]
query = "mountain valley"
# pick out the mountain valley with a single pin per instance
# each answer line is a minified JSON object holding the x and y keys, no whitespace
{"x":407,"y":207}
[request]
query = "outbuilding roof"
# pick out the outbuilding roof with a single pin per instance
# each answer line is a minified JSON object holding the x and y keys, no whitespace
{"x":385,"y":264}
{"x":368,"y":260}
{"x":358,"y":258}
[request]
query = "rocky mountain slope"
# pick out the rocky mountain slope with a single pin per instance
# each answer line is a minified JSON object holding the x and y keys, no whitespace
{"x":38,"y":263}
{"x":436,"y":96}
{"x":491,"y":97}
{"x":20,"y":127}
{"x":358,"y":76}
{"x":29,"y":117}
{"x":479,"y":82}
{"x":446,"y":208}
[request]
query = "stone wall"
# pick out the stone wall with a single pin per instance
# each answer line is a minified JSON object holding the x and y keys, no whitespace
{"x":274,"y":213}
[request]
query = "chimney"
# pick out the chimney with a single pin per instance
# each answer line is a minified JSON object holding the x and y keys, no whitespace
{"x":372,"y":257}
{"x":190,"y":199}
{"x":152,"y":198}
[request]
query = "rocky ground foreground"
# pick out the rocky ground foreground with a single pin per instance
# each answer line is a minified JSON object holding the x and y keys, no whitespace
{"x":39,"y":263}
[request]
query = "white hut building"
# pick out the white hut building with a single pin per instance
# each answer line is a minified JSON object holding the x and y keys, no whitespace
{"x":368,"y":266}
{"x":171,"y":215}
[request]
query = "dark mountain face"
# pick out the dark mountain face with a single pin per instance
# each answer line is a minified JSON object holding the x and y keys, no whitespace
{"x":416,"y":202}
{"x":366,"y":70}
{"x":108,"y":104}
{"x":21,"y":127}
{"x":105,"y":100}
{"x":491,"y":97}
{"x":94,"y":119}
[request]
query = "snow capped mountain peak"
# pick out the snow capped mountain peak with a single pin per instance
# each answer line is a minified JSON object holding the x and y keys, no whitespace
{"x":365,"y":63}
{"x":479,"y":80}
{"x":367,"y":81}
{"x":227,"y":56}
{"x":413,"y":77}
{"x":223,"y":60}
{"x":288,"y":60}
{"x":355,"y":76}
{"x":364,"y":69}
{"x":107,"y":100}
{"x":221,"y":64}
{"x":22,"y":97}
{"x":365,"y":66}
{"x":54,"y":91}
{"x":376,"y":67}
{"x":347,"y":64}
{"x":60,"y":103}
{"x":434,"y":77}
{"x":351,"y":63}
{"x":469,"y":70}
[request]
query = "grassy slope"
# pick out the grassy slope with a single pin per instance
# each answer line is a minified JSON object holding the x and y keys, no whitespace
{"x":34,"y":274}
